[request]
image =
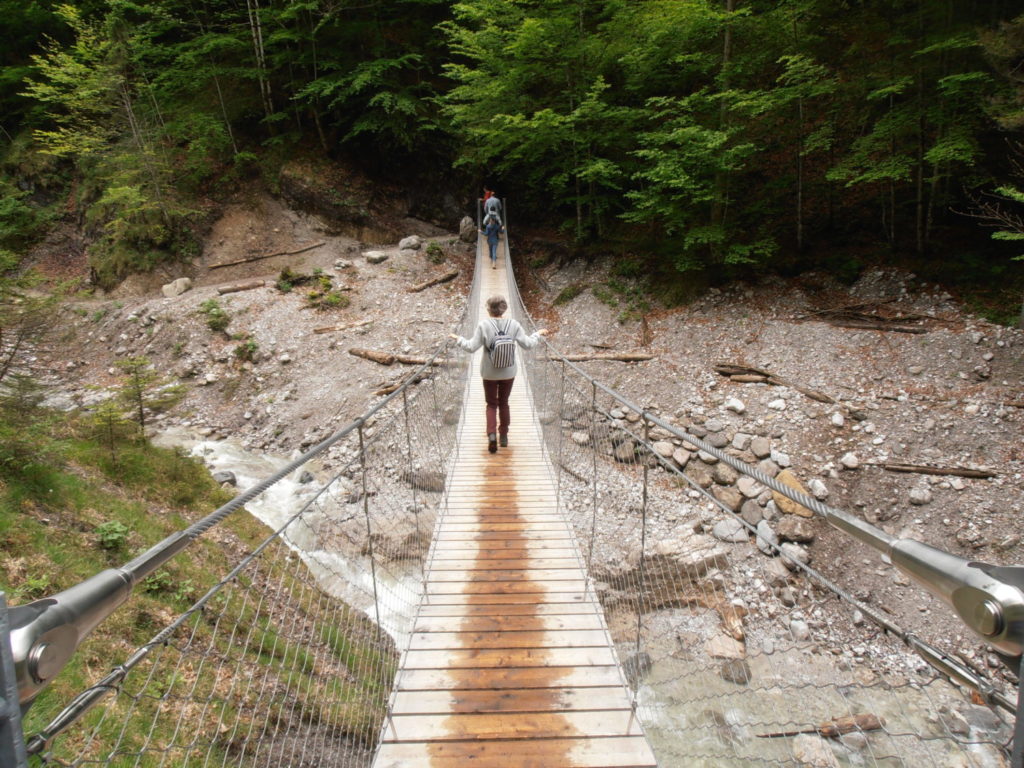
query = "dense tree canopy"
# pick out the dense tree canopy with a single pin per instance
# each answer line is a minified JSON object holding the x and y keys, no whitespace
{"x":730,"y":134}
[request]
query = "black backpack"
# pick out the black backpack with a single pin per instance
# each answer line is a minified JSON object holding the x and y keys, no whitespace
{"x":503,"y":347}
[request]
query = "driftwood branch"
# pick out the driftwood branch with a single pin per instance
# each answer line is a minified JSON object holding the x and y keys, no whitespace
{"x":390,"y":358}
{"x":982,"y":474}
{"x":877,"y":326}
{"x":835,"y":728}
{"x":746,"y":374}
{"x":252,"y":284}
{"x":343,"y":327}
{"x":447,"y":276}
{"x":269,"y":255}
{"x":620,"y":357}
{"x":855,"y":316}
{"x":387,"y":389}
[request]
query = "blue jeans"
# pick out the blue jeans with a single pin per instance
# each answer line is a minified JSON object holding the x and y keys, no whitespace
{"x":493,"y":244}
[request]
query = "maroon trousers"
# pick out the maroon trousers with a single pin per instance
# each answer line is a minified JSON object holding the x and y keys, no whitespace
{"x":496,"y":392}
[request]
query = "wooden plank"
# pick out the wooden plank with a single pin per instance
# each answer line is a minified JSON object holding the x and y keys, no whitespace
{"x":538,"y":589}
{"x":569,"y":638}
{"x":512,"y":677}
{"x":573,"y":573}
{"x":464,"y":565}
{"x":509,"y":700}
{"x":508,"y":657}
{"x":580,"y":752}
{"x":512,"y":725}
{"x":530,"y":598}
{"x":508,"y":623}
{"x":547,"y":608}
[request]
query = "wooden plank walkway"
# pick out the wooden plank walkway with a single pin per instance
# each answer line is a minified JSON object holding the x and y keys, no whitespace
{"x":510,"y":663}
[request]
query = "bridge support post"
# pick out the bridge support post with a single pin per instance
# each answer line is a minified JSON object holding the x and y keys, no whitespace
{"x":1017,"y":759}
{"x":12,"y":739}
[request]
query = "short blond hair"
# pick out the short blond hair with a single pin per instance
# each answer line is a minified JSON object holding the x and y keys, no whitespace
{"x":496,"y":306}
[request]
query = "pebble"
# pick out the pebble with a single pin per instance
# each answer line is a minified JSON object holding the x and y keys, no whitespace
{"x":767,"y":539}
{"x":920,"y":496}
{"x":818,"y":489}
{"x":735,"y":405}
{"x":837,"y":419}
{"x":731,"y":530}
{"x":761,"y":447}
{"x":849,"y":460}
{"x":800,"y":630}
{"x":777,"y":405}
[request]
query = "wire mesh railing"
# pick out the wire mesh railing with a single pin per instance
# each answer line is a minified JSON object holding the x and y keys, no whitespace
{"x":737,"y":650}
{"x":289,"y":658}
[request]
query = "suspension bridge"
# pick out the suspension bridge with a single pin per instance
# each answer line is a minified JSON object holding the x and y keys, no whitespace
{"x":556,"y":604}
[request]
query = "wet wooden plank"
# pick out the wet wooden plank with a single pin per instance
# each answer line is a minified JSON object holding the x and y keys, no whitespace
{"x":547,"y":608}
{"x":461,"y":565}
{"x":504,"y":587}
{"x":508,"y":657}
{"x":508,"y":623}
{"x":525,"y":574}
{"x":581,"y":752}
{"x":510,"y":677}
{"x":564,"y":699}
{"x":466,"y":640}
{"x":533,"y":725}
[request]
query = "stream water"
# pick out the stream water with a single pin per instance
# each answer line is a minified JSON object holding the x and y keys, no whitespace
{"x":345,"y":576}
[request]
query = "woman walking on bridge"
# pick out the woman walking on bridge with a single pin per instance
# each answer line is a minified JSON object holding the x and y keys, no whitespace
{"x":499,"y":335}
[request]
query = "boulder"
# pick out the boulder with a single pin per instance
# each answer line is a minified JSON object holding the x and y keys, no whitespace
{"x":177,"y":287}
{"x":761,"y":447}
{"x":664,"y":448}
{"x":225,"y":477}
{"x":730,"y":497}
{"x":410,"y":243}
{"x":784,"y":503}
{"x":467,"y":230}
{"x":813,"y":752}
{"x":767,"y":539}
{"x":376,"y":257}
{"x":731,"y":530}
{"x":672,"y":569}
{"x":724,"y":647}
{"x":793,"y":528}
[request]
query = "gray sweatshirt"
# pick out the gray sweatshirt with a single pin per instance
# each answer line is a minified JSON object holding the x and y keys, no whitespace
{"x":485,"y":332}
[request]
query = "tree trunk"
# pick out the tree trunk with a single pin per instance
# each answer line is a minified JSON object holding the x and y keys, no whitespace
{"x":255,"y":27}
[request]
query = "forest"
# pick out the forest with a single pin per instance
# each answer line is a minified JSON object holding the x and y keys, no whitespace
{"x":718,"y":137}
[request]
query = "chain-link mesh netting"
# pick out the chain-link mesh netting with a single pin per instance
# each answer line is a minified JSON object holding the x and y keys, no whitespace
{"x":290,"y":659}
{"x":737,"y":651}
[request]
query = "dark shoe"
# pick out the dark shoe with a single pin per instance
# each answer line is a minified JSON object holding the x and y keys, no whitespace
{"x":504,"y":441}
{"x":492,"y":443}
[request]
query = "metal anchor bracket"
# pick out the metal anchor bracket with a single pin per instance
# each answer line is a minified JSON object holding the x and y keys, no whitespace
{"x":989,"y":599}
{"x":46,"y":632}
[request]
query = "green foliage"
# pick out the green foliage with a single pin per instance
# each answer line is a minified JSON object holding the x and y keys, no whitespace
{"x":112,"y":535}
{"x":567,"y":294}
{"x":143,"y":391}
{"x":435,"y":253}
{"x":247,"y":350}
{"x":217,"y":318}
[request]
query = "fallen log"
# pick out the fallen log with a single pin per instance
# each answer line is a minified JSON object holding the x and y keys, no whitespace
{"x":387,"y":389}
{"x":620,"y":357}
{"x":390,"y":358}
{"x":269,"y":255}
{"x":343,"y":327}
{"x":877,"y":326}
{"x":982,"y":474}
{"x":252,"y":284}
{"x":447,"y":276}
{"x":835,"y":728}
{"x":745,"y":373}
